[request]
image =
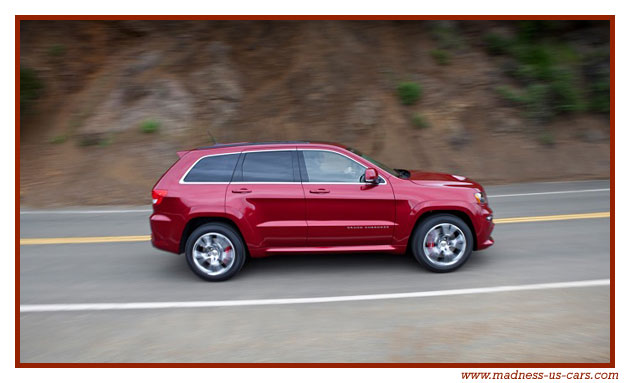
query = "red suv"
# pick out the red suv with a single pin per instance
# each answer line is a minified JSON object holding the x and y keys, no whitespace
{"x":220,"y":203}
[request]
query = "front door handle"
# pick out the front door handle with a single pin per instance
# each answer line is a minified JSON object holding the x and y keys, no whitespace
{"x":320,"y":191}
{"x":241,"y":190}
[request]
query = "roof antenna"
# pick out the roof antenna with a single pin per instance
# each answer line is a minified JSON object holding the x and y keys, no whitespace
{"x":211,"y":136}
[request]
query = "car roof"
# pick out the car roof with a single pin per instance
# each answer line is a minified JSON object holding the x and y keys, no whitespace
{"x":271,"y":144}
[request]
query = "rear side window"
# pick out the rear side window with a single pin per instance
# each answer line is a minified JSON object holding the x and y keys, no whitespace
{"x":276,"y":166}
{"x":213,"y":169}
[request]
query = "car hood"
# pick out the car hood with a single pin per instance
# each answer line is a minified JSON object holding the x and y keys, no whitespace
{"x":430,"y":178}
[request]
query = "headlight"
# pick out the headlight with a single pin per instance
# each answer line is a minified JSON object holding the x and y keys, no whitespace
{"x":481,"y":197}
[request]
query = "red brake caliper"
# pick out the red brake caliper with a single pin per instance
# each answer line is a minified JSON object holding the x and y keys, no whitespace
{"x":228,"y":256}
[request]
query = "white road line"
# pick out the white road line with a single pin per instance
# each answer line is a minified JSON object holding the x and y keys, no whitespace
{"x":288,"y":301}
{"x":546,"y":193}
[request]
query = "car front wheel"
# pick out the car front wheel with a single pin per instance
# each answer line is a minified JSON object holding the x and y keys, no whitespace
{"x":442,"y":243}
{"x":215,"y":252}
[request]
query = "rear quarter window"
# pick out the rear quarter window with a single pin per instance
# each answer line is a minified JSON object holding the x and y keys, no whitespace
{"x":217,"y":168}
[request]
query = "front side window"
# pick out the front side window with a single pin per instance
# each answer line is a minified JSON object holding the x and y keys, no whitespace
{"x":213,"y":169}
{"x":323,"y":166}
{"x":276,"y":166}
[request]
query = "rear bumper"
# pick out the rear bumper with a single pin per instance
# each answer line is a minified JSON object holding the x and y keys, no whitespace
{"x":161,"y":233}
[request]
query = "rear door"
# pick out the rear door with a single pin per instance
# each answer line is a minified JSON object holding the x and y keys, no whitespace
{"x":341,"y":209}
{"x":267,"y":194}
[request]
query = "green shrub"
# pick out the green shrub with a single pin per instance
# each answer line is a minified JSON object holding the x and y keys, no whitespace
{"x":537,"y":106}
{"x":551,"y":72}
{"x":149,"y":126}
{"x":542,"y":100}
{"x":409,"y":92}
{"x":531,"y":30}
{"x":497,"y":44}
{"x":511,"y":95}
{"x":547,"y":138}
{"x":97,"y":139}
{"x":524,"y":72}
{"x":566,"y":93}
{"x":441,"y":57}
{"x":600,"y":97}
{"x":445,"y":34}
{"x":31,"y":87}
{"x":57,"y":50}
{"x":419,"y":121}
{"x":539,"y":57}
{"x":534,"y":100}
{"x":106,"y":141}
{"x":59,"y":139}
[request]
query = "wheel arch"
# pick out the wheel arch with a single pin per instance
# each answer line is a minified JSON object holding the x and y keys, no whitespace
{"x":462,"y":214}
{"x":196,"y":222}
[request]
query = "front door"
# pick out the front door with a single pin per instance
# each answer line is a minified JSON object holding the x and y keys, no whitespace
{"x":341,"y":210}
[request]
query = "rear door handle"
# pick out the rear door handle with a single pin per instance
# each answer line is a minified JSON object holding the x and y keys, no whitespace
{"x":241,"y":190}
{"x":320,"y":191}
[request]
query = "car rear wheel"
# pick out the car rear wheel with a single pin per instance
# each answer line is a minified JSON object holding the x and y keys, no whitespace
{"x":215,"y":252}
{"x":442,"y":243}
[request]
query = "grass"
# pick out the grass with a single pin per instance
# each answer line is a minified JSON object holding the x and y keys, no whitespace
{"x":409,"y":92}
{"x":441,"y":57}
{"x":419,"y":121}
{"x":149,"y":126}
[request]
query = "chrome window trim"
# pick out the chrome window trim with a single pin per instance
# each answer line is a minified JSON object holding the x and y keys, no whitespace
{"x":343,"y":183}
{"x":182,"y":182}
{"x":266,"y":182}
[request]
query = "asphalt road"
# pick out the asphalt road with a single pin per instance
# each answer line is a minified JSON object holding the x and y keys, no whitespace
{"x":542,"y":325}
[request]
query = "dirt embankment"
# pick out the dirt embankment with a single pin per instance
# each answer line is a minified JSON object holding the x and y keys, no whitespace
{"x":118,"y":99}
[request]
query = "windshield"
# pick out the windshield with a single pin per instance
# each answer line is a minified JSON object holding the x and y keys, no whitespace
{"x":394,"y":172}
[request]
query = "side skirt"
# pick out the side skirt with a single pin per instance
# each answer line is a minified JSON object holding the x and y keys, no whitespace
{"x":330,"y":249}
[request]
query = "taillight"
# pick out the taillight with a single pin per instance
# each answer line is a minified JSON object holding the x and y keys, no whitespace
{"x":158,"y":196}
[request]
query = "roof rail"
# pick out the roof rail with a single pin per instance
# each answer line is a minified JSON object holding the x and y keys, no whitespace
{"x":251,"y":143}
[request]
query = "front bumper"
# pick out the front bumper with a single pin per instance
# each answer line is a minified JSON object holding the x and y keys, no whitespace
{"x":486,"y":244}
{"x":484,"y":237}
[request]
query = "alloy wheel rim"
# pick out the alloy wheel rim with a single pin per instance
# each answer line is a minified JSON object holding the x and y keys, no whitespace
{"x":444,"y":244}
{"x":213,"y":254}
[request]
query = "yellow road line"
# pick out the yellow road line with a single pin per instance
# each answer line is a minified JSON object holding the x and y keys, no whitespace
{"x":141,"y":238}
{"x":562,"y":217}
{"x":59,"y":241}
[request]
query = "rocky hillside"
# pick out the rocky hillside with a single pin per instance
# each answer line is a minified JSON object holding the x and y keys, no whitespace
{"x":105,"y":105}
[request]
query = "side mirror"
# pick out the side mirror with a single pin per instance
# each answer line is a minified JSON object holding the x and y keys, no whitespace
{"x":371,"y":176}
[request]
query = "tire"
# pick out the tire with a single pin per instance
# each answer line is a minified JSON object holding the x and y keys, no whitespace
{"x":215,"y":252}
{"x":443,"y":252}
